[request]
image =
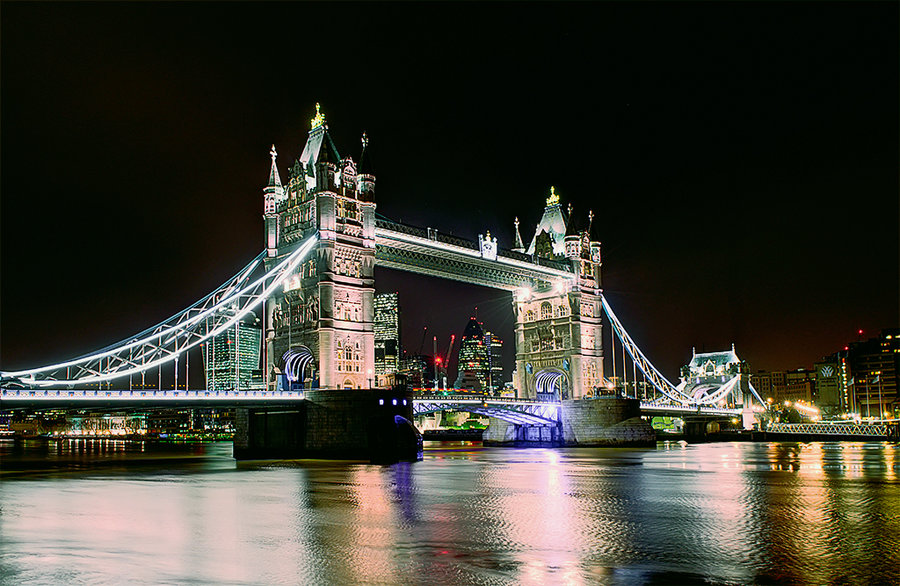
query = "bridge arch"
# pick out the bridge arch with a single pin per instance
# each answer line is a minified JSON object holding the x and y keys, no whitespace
{"x":297,"y":362}
{"x":551,"y":383}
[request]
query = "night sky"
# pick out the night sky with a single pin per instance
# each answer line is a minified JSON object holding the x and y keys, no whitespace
{"x":741,"y":158}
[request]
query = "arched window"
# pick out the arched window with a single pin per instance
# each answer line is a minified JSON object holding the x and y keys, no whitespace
{"x":546,"y":310}
{"x":529,"y":315}
{"x":356,"y":358}
{"x":340,"y":356}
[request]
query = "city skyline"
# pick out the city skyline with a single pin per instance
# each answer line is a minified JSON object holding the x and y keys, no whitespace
{"x":747,"y":195}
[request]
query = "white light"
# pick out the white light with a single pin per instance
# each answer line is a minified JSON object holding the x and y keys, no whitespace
{"x":166,"y":330}
{"x":395,"y":401}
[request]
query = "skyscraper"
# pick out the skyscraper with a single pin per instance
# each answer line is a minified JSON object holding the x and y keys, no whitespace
{"x":480,"y":359}
{"x":495,"y":361}
{"x":231,"y":359}
{"x":387,"y":333}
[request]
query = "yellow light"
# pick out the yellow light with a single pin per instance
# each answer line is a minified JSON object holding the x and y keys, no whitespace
{"x":554,"y":197}
{"x":319,"y":119}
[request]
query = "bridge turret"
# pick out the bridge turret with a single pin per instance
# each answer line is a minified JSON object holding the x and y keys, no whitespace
{"x":366,"y":173}
{"x":273,"y":194}
{"x":325,"y":309}
{"x":572,"y":239}
{"x":549,"y":236}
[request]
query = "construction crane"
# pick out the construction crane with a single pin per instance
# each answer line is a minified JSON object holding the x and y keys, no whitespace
{"x":449,"y":352}
{"x":436,"y":360}
{"x":422,"y":345}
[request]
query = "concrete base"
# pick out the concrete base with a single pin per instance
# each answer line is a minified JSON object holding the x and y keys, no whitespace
{"x":605,"y":421}
{"x":354,"y":424}
{"x":504,"y":433}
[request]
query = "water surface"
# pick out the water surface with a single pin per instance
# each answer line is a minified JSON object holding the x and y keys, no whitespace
{"x":728,"y":513}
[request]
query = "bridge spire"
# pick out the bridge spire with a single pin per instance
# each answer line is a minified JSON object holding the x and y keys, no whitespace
{"x":274,"y":177}
{"x":519,"y":246}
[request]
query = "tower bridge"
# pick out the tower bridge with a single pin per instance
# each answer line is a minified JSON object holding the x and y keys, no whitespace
{"x":322,"y":244}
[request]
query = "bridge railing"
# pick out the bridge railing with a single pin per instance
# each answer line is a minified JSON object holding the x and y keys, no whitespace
{"x":838,"y":428}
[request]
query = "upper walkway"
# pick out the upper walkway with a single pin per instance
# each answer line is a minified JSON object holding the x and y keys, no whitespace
{"x":430,"y":252}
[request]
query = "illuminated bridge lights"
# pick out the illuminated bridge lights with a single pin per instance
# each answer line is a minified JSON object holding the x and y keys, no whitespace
{"x":143,"y":395}
{"x":164,"y":343}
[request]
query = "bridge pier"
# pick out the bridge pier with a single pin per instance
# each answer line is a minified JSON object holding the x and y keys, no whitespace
{"x":605,"y":421}
{"x":506,"y":433}
{"x":341,"y":424}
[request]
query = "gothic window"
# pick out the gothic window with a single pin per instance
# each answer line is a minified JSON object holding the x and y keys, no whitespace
{"x":340,"y":355}
{"x":546,"y":310}
{"x":529,"y":315}
{"x":356,"y":358}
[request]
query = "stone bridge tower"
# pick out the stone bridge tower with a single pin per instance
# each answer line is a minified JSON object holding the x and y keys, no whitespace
{"x":319,"y":328}
{"x":558,"y":328}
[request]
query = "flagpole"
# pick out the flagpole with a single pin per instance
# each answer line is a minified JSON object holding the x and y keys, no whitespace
{"x":880,"y":408}
{"x":868,"y":409}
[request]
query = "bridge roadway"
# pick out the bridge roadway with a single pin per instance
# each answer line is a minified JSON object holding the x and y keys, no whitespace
{"x":509,"y":409}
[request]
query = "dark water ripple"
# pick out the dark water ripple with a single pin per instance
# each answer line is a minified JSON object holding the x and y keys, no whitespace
{"x":111,"y":513}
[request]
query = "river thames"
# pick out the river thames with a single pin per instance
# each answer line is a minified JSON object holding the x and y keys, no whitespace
{"x":106,"y":512}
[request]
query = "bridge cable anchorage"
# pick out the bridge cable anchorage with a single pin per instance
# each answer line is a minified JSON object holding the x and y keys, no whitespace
{"x":166,"y":341}
{"x":656,"y":378}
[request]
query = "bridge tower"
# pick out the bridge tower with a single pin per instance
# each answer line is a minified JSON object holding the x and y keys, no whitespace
{"x":558,"y":328}
{"x":319,"y":328}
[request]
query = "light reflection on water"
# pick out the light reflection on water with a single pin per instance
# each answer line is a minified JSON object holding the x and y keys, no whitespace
{"x":729,"y":513}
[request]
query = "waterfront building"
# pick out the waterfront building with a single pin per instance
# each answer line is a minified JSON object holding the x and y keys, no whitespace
{"x":830,"y":398}
{"x":874,"y":366}
{"x":387,"y":334}
{"x":231,"y":359}
{"x":786,"y":385}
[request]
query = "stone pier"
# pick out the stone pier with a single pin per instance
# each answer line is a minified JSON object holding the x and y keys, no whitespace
{"x":355,"y":424}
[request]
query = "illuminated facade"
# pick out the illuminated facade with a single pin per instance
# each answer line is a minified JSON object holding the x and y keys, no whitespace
{"x":320,"y":326}
{"x":387,"y":333}
{"x":231,"y":359}
{"x":479,"y":367}
{"x":558,"y":327}
{"x":494,"y":346}
{"x":874,"y":365}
